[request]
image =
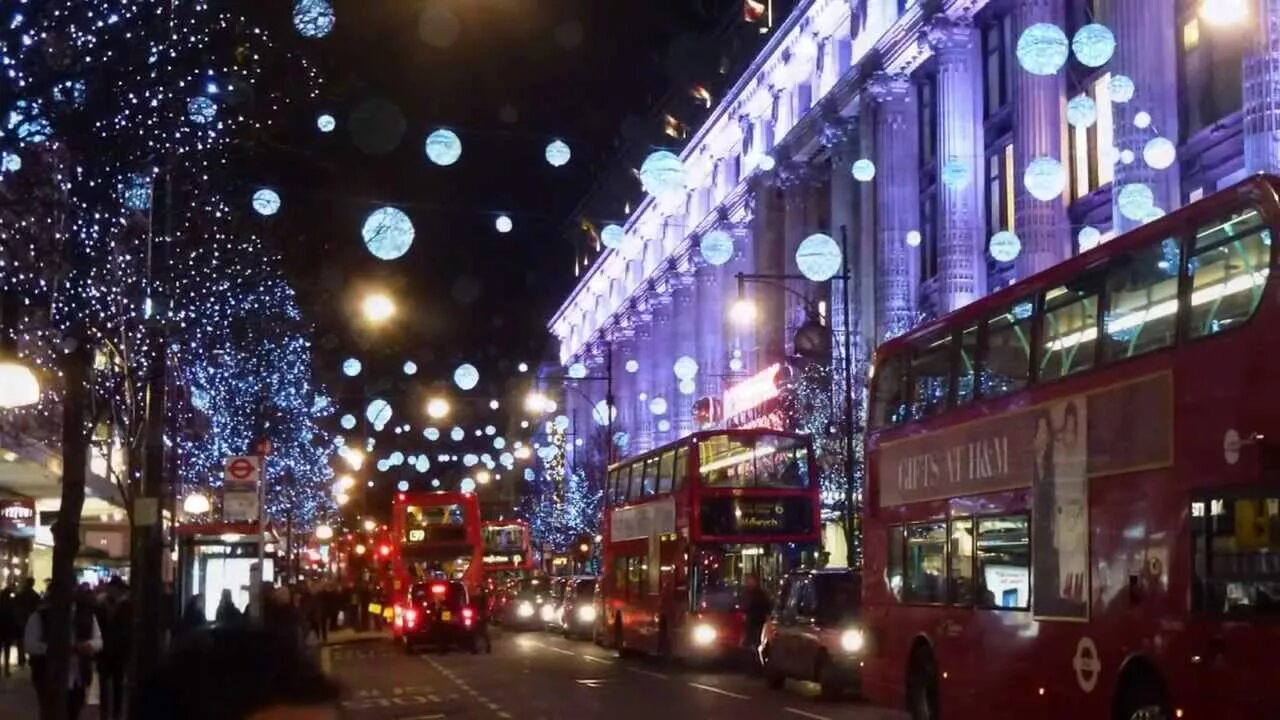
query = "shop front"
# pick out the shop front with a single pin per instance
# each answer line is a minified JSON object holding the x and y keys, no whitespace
{"x":17,"y":530}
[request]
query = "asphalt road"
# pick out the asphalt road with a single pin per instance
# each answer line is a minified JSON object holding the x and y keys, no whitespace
{"x":537,"y":676}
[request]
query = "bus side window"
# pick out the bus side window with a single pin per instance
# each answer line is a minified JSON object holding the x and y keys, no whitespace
{"x":666,"y":467}
{"x":1236,"y":543}
{"x":620,"y":576}
{"x":1142,"y":301}
{"x":890,"y":398}
{"x":967,"y":371}
{"x":1006,"y":353}
{"x":681,"y":468}
{"x":925,"y":557}
{"x":931,"y":378}
{"x":894,"y":569}
{"x":625,"y":484}
{"x":1003,"y":553}
{"x":960,"y":560}
{"x":611,"y":490}
{"x":1070,"y":329}
{"x":1228,"y":266}
{"x":650,"y":476}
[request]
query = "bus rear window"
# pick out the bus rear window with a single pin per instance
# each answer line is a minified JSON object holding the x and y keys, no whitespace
{"x":1236,"y":554}
{"x":1229,"y":267}
{"x":766,"y":461}
{"x":440,"y":523}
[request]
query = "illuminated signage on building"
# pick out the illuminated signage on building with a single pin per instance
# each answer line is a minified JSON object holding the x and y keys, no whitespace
{"x":751,"y":393}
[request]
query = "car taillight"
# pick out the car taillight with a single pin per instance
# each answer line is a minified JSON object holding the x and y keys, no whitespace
{"x":437,"y":589}
{"x":468,"y":613}
{"x":410,"y":617}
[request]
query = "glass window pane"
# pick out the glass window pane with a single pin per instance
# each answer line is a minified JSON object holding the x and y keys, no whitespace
{"x":926,"y":553}
{"x":1229,"y":269}
{"x":636,"y":471}
{"x":1006,"y":364}
{"x":665,"y":467}
{"x":896,"y":538}
{"x":650,"y":476}
{"x":781,"y":462}
{"x":967,"y":372}
{"x":890,"y":396}
{"x":1142,"y":301}
{"x":1070,"y":331}
{"x":1004,"y":563}
{"x":682,"y":467}
{"x":931,"y":376}
{"x":1237,"y":563}
{"x":960,"y":562}
{"x":726,"y":461}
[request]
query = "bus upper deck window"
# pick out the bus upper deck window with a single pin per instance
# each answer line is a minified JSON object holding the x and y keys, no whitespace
{"x":1006,"y":354}
{"x":1070,"y":330}
{"x":890,"y":397}
{"x":1229,"y":266}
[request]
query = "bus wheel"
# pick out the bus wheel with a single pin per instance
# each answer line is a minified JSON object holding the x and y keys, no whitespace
{"x":922,"y":686}
{"x":1142,"y":698}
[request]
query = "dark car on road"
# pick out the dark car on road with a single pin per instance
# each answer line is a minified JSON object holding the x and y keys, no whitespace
{"x":814,"y":632}
{"x":578,"y":610}
{"x":522,"y":609}
{"x":438,"y":614}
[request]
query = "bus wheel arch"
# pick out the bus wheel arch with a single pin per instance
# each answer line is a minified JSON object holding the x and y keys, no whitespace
{"x":1140,"y":692}
{"x":922,"y":689}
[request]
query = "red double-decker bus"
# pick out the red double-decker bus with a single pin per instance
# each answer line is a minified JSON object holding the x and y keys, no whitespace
{"x":1073,"y":505}
{"x":507,"y":550}
{"x":686,"y":524}
{"x":436,"y":534}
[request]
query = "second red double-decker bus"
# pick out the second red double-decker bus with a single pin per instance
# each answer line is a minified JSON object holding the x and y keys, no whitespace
{"x":507,"y":551}
{"x":687,"y":525}
{"x":1073,"y":508}
{"x":436,"y":535}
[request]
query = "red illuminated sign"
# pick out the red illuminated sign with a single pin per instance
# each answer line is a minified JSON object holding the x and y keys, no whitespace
{"x":751,"y":393}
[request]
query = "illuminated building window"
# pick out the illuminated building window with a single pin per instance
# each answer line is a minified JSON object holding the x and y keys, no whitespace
{"x":1092,"y":163}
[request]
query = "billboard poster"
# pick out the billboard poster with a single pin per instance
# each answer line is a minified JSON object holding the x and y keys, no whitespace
{"x":1060,"y":510}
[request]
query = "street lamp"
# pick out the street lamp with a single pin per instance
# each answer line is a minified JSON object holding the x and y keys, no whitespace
{"x":743,"y":312}
{"x":354,"y":458}
{"x":437,"y":408}
{"x":1223,"y":13}
{"x":370,"y":525}
{"x":535,"y":402}
{"x":196,"y":504}
{"x":377,"y":307}
{"x":18,"y":384}
{"x":342,"y":499}
{"x":324,"y":533}
{"x":345,"y":483}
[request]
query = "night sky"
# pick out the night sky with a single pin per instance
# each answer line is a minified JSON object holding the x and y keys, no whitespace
{"x":508,"y":76}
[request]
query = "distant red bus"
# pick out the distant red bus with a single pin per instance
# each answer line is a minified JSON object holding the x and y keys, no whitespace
{"x":686,"y":523}
{"x":436,"y":534}
{"x":1073,"y":505}
{"x":507,"y":549}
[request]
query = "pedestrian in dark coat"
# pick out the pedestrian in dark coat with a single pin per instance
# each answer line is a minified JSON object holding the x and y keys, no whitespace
{"x":25,"y":603}
{"x":228,"y":613}
{"x":115,"y":618}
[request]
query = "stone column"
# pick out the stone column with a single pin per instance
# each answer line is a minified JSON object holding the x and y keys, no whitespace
{"x":796,"y":186}
{"x":962,"y":227}
{"x":1038,"y":131}
{"x":1146,"y":51}
{"x":709,"y":310}
{"x":767,"y":252}
{"x":661,"y":356}
{"x":624,"y":396}
{"x":840,"y":136}
{"x":684,"y":317}
{"x":897,"y":202}
{"x":1262,"y":92}
{"x":642,"y":382}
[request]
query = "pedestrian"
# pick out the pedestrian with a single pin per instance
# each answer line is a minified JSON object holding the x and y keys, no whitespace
{"x":227,"y":613}
{"x":116,"y":621}
{"x":238,"y":673}
{"x":24,"y":603}
{"x":193,"y":617}
{"x":86,"y":641}
{"x":757,"y":606}
{"x":480,"y":607}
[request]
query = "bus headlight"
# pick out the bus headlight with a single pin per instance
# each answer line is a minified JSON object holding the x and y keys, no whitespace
{"x":704,"y":634}
{"x":547,"y":613}
{"x":524,"y":609}
{"x":587,"y":613}
{"x":853,"y":640}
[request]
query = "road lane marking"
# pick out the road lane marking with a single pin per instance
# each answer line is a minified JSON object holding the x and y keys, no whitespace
{"x":802,"y":713}
{"x":596,"y":659}
{"x":650,"y":673}
{"x":712,"y":688}
{"x":562,"y":651}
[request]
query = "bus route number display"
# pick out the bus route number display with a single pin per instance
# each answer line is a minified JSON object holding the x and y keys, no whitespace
{"x":417,"y":535}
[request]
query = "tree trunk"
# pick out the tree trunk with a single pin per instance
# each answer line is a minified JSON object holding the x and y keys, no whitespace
{"x":66,"y":532}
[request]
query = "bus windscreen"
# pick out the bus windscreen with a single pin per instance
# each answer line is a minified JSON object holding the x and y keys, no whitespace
{"x":435,"y":524}
{"x":756,"y":461}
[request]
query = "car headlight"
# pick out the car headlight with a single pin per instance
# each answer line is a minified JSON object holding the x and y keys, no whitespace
{"x":547,"y":613}
{"x":853,"y":640}
{"x":587,"y":613}
{"x":524,"y":609}
{"x":704,"y":634}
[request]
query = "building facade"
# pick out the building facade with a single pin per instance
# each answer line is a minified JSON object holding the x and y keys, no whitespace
{"x":912,"y":133}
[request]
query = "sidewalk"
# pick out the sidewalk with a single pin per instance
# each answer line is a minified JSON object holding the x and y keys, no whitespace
{"x":17,"y":697}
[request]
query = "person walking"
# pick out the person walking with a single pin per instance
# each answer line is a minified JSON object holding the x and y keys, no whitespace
{"x":86,"y":641}
{"x":227,"y":613}
{"x":115,"y":620}
{"x":9,"y":630}
{"x":480,"y":605}
{"x":757,"y":605}
{"x":192,"y":615}
{"x":25,"y":603}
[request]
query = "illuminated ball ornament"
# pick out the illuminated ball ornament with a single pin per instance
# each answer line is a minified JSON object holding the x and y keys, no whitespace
{"x":1082,"y":111}
{"x":378,"y":412}
{"x":431,"y":434}
{"x":1160,"y":153}
{"x":687,"y":387}
{"x":201,"y":110}
{"x":348,"y":422}
{"x":602,"y":413}
{"x":658,"y":406}
{"x":1043,"y":49}
{"x":1135,"y":201}
{"x":1004,"y":246}
{"x":664,"y":425}
{"x":10,"y":162}
{"x":457,"y":434}
{"x":444,"y":147}
{"x":956,"y":174}
{"x":403,"y":486}
{"x":326,"y":123}
{"x":1045,"y":178}
{"x":503,"y":224}
{"x":266,"y":202}
{"x":351,"y":367}
{"x":913,"y":238}
{"x":466,"y":376}
{"x":410,"y":367}
{"x":1127,"y":157}
{"x":388,"y":233}
{"x":1121,"y":88}
{"x":561,"y":423}
{"x":558,"y":153}
{"x":1089,"y":238}
{"x":1094,"y":44}
{"x":864,"y":170}
{"x":818,"y":257}
{"x":632,"y":366}
{"x":612,"y":236}
{"x":577,"y":371}
{"x":685,"y":368}
{"x":467,"y":485}
{"x":313,"y":18}
{"x":663,"y":175}
{"x":764,"y":162}
{"x":135,"y":190}
{"x":716,"y":247}
{"x":1142,"y":120}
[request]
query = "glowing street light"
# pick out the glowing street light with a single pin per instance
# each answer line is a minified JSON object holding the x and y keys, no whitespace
{"x":324,"y":533}
{"x":377,"y":307}
{"x":196,"y":503}
{"x":355,"y":458}
{"x":18,"y":384}
{"x":536,"y":402}
{"x":1224,"y":13}
{"x":341,"y":499}
{"x":437,"y":408}
{"x":345,"y":483}
{"x":361,"y":549}
{"x":483,"y":477}
{"x":743,"y":312}
{"x":370,"y":525}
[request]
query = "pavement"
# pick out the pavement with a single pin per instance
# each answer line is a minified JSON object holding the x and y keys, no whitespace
{"x":538,"y":676}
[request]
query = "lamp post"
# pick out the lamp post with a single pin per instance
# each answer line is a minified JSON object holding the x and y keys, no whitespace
{"x":18,"y":384}
{"x":744,"y":312}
